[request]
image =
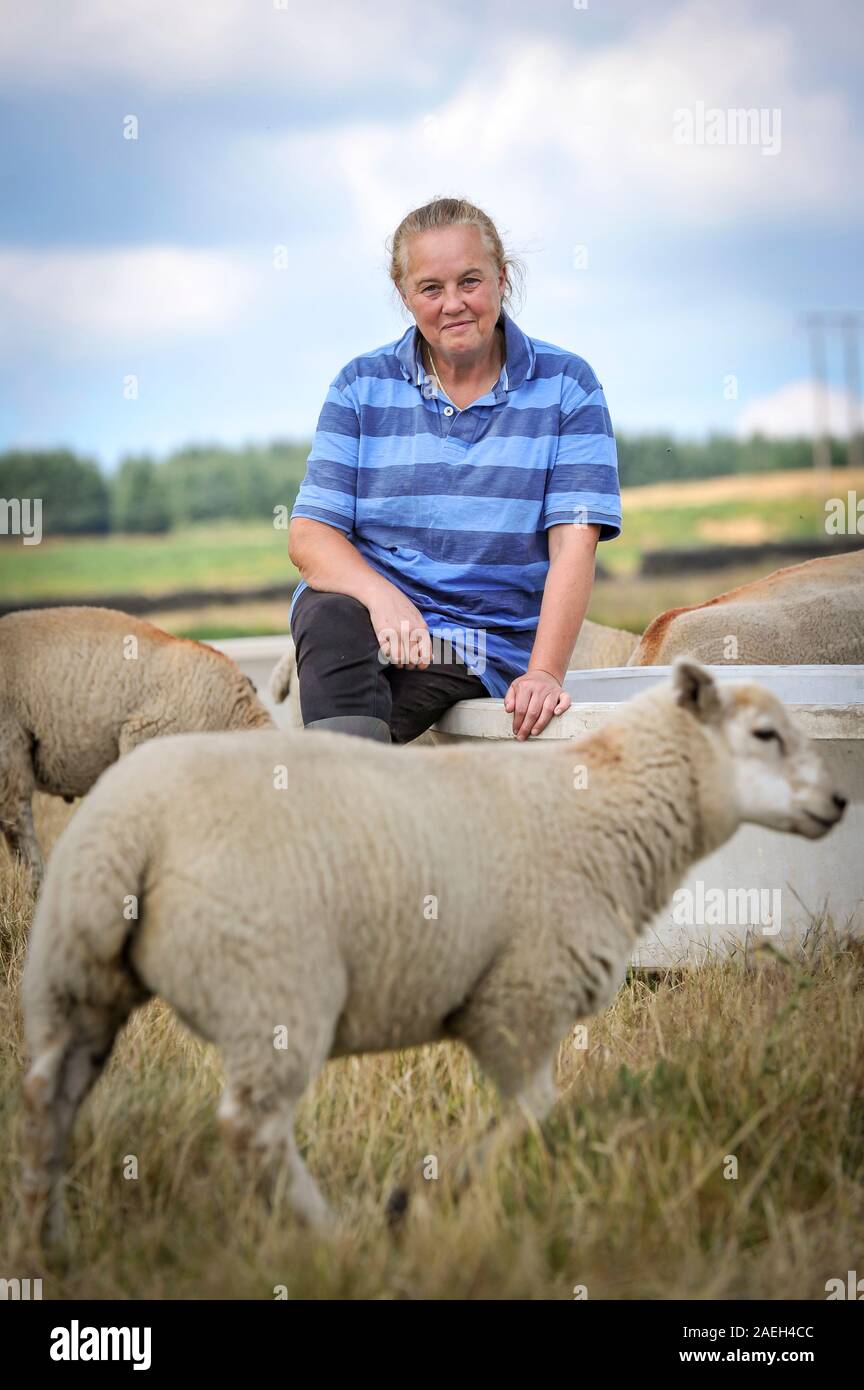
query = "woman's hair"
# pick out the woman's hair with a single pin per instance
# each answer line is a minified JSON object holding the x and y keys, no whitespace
{"x":452,"y":212}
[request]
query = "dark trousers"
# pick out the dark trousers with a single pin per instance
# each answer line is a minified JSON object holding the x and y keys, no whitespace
{"x":340,"y":672}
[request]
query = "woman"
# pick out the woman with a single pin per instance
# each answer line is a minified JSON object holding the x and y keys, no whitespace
{"x":458,"y":483}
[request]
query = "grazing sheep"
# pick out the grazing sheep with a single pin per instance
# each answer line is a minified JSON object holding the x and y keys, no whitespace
{"x":302,"y":898}
{"x":808,"y":614}
{"x":79,"y":687}
{"x":598,"y":647}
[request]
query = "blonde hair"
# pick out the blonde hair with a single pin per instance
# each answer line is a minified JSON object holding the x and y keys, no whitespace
{"x":452,"y":212}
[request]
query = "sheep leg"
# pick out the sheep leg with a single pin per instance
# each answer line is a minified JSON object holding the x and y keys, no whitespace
{"x":17,"y":784}
{"x":62,"y":1073}
{"x":513,"y":1030}
{"x":260,"y":1129}
{"x":273,"y":1018}
{"x":523,"y":1069}
{"x":526,"y":1109}
{"x":265,"y":1082}
{"x":22,"y":843}
{"x":527,"y":1106}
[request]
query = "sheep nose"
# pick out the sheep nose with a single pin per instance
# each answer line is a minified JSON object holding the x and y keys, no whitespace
{"x":840,"y":801}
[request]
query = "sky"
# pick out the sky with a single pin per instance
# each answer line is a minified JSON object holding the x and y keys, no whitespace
{"x":205,"y":281}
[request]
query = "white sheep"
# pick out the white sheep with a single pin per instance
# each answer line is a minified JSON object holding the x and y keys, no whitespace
{"x":79,"y":687}
{"x":598,"y":648}
{"x":808,"y":614}
{"x":301,"y":898}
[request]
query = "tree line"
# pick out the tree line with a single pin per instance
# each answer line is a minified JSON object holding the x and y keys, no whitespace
{"x":206,"y":482}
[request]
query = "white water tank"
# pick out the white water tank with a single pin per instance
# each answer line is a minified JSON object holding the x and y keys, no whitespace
{"x":762,"y":886}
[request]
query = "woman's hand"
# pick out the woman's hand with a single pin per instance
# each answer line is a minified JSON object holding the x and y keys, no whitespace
{"x":401,"y":630}
{"x":535,"y":697}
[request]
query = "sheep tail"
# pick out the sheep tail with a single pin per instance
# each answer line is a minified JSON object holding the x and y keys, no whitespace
{"x":88,"y":913}
{"x":282,"y":676}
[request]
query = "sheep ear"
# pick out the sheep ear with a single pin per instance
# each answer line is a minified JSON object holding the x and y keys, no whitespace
{"x":696,"y":689}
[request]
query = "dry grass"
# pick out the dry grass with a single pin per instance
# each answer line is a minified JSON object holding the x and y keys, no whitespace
{"x":741,"y":487}
{"x":764,"y":1063}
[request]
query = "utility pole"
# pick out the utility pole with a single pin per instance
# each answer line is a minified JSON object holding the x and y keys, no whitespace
{"x":821,"y":448}
{"x":852,"y":362}
{"x":849,"y":326}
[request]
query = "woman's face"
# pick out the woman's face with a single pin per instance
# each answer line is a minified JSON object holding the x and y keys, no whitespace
{"x":451,"y":281}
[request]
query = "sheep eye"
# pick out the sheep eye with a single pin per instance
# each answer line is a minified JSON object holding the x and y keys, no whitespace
{"x":767,"y":734}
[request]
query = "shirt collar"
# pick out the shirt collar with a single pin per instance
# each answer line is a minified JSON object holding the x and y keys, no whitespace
{"x":518,"y":365}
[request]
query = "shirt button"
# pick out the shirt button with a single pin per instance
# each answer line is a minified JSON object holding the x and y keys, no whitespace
{"x":448,"y":410}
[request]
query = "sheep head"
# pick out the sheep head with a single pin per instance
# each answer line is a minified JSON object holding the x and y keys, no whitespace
{"x":778,"y":777}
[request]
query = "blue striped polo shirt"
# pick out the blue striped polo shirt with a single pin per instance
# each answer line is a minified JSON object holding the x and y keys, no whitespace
{"x":452,"y":505}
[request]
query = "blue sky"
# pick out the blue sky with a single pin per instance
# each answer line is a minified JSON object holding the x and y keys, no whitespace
{"x":317,"y":127}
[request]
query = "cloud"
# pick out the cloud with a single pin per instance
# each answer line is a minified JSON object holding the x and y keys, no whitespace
{"x":586,"y":135}
{"x":73,"y":301}
{"x":558,"y":121}
{"x":557,"y":113}
{"x":165,"y":46}
{"x":789,"y":412}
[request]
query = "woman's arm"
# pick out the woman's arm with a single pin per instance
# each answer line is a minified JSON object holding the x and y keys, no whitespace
{"x":328,"y":561}
{"x":583,"y":483}
{"x":566,"y":596}
{"x":535,"y":697}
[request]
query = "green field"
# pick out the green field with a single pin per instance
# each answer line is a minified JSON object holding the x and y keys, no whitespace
{"x":239,"y":556}
{"x":224,"y":555}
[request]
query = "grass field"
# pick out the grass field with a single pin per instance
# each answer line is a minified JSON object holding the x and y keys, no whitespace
{"x":224,"y":555}
{"x":624,"y":1193}
{"x":743,"y":509}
